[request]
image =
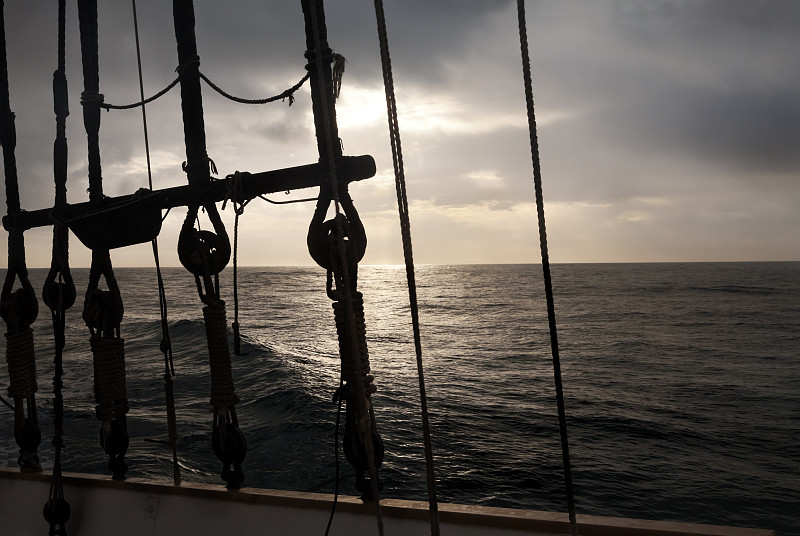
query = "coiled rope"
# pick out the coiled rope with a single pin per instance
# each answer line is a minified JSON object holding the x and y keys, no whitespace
{"x":21,"y":364}
{"x":405,"y":229}
{"x":551,"y":316}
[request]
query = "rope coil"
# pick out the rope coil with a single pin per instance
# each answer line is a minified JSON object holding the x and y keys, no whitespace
{"x":349,"y":355}
{"x":109,"y":377}
{"x":223,"y":395}
{"x":21,"y":359}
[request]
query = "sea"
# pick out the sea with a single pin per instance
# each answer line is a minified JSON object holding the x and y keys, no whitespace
{"x":681,"y":384}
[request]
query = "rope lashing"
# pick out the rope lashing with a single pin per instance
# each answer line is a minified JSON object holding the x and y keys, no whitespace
{"x":90,"y":97}
{"x":109,"y":378}
{"x":22,"y":379}
{"x":223,"y":395}
{"x":356,"y":378}
{"x":103,"y":311}
{"x":112,"y":400}
{"x":351,"y":369}
{"x":228,"y":441}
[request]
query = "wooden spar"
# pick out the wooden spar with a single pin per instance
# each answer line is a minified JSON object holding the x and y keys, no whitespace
{"x":348,"y":169}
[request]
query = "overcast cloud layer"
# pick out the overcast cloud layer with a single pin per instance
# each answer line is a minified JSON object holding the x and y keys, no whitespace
{"x":669,"y":129}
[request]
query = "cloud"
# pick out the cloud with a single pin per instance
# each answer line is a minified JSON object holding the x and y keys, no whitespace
{"x":668,"y":128}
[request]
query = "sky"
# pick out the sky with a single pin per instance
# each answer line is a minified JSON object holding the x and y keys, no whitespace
{"x":669,"y":129}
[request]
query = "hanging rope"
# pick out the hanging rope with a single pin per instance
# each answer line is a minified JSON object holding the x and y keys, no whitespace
{"x":206,"y":253}
{"x":405,"y":229}
{"x":18,"y":308}
{"x":166,"y":343}
{"x":285,"y":94}
{"x":237,"y":342}
{"x":551,"y":316}
{"x":103,"y":309}
{"x":338,"y":245}
{"x":59,"y":289}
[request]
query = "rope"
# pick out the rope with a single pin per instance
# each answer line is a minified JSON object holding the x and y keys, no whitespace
{"x":109,"y":377}
{"x":59,"y":288}
{"x":287,"y":93}
{"x":405,"y":229}
{"x":237,"y":341}
{"x":8,"y":134}
{"x":355,"y":361}
{"x":537,"y":180}
{"x":56,"y":511}
{"x":166,"y":344}
{"x":143,"y":101}
{"x":223,"y":395}
{"x":336,"y":460}
{"x":21,"y":364}
{"x":327,"y":123}
{"x":288,"y":202}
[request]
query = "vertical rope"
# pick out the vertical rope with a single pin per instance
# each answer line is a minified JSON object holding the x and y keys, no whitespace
{"x":237,"y":341}
{"x":166,"y":344}
{"x":8,"y":136}
{"x":330,"y":150}
{"x":18,"y":308}
{"x":59,"y":288}
{"x":91,"y":97}
{"x":405,"y":229}
{"x":551,"y":315}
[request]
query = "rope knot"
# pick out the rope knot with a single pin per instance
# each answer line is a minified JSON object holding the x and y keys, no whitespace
{"x":235,"y":192}
{"x":91,"y":97}
{"x":194,"y":61}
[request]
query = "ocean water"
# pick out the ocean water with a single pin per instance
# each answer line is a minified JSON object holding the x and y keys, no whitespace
{"x":682,"y":385}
